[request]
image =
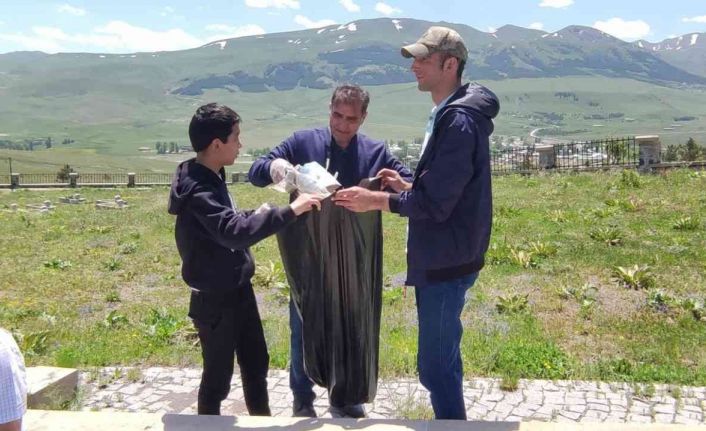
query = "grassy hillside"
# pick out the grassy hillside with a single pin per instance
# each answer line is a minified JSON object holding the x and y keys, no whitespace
{"x":85,"y":287}
{"x":109,"y":128}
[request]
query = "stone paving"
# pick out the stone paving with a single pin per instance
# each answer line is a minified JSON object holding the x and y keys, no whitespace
{"x":173,"y":390}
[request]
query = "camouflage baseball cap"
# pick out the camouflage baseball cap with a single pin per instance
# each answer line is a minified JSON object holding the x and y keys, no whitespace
{"x":437,"y":39}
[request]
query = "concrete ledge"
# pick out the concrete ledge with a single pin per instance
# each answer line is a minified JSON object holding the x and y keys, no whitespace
{"x":41,"y":420}
{"x":49,"y":387}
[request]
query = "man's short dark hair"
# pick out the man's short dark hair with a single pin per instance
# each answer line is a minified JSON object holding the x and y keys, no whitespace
{"x":210,"y":122}
{"x":351,"y":95}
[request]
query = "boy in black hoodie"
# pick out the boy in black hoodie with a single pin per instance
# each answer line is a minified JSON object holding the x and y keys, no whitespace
{"x":213,"y":237}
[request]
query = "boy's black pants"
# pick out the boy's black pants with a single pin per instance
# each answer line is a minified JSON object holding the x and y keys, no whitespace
{"x":229,"y":325}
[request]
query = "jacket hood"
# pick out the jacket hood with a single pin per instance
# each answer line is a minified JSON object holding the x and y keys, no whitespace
{"x":477,"y":98}
{"x":187,"y":176}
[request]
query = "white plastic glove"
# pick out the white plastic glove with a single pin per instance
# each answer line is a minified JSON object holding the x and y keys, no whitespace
{"x":278,"y":170}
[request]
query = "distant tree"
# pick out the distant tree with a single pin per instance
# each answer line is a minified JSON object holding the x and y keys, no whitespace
{"x":173,"y":147}
{"x":63,"y":174}
{"x":692,"y":151}
{"x":617,"y":151}
{"x":671,"y":154}
{"x":47,"y":142}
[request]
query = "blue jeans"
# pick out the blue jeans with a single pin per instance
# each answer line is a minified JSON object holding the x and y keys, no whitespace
{"x":439,"y":307}
{"x":299,"y":382}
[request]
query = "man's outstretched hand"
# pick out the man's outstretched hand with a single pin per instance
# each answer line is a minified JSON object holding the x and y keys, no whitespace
{"x":358,"y":199}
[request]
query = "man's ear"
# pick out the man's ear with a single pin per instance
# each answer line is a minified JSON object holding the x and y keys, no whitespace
{"x":362,"y":118}
{"x":216,"y":142}
{"x":450,"y":63}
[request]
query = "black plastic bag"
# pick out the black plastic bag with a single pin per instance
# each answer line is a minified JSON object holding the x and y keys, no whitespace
{"x":333,"y":261}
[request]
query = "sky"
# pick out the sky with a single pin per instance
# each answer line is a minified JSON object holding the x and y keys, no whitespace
{"x":124,"y":26}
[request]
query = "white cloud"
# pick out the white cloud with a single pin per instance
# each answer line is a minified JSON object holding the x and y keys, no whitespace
{"x":32,"y":43}
{"x":72,"y":10}
{"x":386,"y":9}
{"x":349,"y":5}
{"x":537,"y":26}
{"x":626,"y":30}
{"x":700,"y":19}
{"x":224,"y":31}
{"x":306,"y":22}
{"x":557,"y":4}
{"x":115,"y":37}
{"x":277,"y":4}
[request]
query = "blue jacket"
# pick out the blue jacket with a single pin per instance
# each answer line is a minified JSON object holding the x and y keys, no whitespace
{"x":212,"y":237}
{"x":450,"y":204}
{"x":363,"y":158}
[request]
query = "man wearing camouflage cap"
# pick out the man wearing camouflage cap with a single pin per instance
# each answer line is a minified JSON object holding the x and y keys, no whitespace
{"x":449,"y":205}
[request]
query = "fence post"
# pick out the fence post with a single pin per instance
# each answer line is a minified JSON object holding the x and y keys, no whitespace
{"x":131,"y":179}
{"x":650,"y":150}
{"x":73,"y":179}
{"x":547,"y":156}
{"x":14,"y":180}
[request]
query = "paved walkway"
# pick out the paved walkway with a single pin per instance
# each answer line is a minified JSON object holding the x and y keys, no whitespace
{"x":173,"y":390}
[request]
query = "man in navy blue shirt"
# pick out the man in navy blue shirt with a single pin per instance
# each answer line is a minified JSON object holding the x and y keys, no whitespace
{"x":449,"y":206}
{"x":341,"y":149}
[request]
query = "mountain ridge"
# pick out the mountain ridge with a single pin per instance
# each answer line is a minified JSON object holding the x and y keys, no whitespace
{"x":366,"y":52}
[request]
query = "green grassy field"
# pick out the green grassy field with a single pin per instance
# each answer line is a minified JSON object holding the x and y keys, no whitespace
{"x":110,"y":127}
{"x":86,"y":287}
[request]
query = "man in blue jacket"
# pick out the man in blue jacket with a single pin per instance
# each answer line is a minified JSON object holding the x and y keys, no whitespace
{"x":340,"y":148}
{"x":449,"y":206}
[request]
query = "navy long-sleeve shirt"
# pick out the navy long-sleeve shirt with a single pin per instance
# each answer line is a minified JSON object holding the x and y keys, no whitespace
{"x":363,"y":158}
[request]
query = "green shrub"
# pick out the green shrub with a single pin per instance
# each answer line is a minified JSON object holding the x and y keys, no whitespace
{"x":513,"y":304}
{"x":635,"y":277}
{"x":607,"y":235}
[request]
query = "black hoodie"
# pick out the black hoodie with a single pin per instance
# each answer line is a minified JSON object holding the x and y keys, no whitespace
{"x":212,"y":237}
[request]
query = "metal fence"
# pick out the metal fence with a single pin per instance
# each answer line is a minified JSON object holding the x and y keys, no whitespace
{"x":595,"y":154}
{"x":101,"y":178}
{"x":511,"y":160}
{"x":153,"y":178}
{"x":621,"y":152}
{"x":42,"y":178}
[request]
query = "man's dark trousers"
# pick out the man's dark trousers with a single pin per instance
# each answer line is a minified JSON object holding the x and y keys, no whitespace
{"x":229,"y":326}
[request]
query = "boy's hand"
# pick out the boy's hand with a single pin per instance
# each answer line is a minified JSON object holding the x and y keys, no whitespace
{"x":278,"y":168}
{"x":305,"y":202}
{"x":393,"y":180}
